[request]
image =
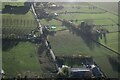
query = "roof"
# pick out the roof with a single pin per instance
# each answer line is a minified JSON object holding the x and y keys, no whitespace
{"x":81,"y":72}
{"x":79,"y":69}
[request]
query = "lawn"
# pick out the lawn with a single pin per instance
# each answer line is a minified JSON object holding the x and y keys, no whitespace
{"x":65,"y":43}
{"x":21,"y":58}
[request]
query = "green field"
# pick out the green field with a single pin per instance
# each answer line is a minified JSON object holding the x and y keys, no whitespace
{"x":21,"y":59}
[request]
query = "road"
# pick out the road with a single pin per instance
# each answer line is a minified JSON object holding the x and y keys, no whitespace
{"x":41,"y":32}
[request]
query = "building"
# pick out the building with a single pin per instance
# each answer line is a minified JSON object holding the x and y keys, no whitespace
{"x":80,"y":72}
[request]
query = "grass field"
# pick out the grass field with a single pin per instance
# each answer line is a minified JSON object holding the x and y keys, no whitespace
{"x":21,"y":59}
